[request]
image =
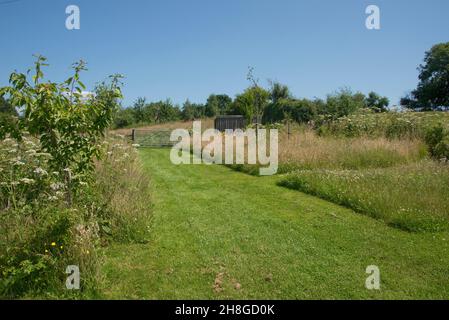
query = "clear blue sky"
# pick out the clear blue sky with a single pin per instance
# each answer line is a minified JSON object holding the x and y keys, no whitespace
{"x":183,"y":49}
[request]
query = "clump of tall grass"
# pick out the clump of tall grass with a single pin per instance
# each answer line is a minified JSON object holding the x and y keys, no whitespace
{"x":412,"y":197}
{"x":306,"y":150}
{"x":123,"y":189}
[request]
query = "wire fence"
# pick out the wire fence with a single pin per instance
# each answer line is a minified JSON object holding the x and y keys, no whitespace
{"x":152,"y":138}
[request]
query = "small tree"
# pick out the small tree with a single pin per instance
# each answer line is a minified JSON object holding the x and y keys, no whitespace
{"x":279,"y":92}
{"x":224,"y":103}
{"x":246,"y":103}
{"x":138,"y":109}
{"x":259,"y":97}
{"x":212,"y":106}
{"x":217,"y":105}
{"x":68,"y":123}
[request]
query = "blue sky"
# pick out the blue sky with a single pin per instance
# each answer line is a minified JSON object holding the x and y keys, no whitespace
{"x":183,"y":49}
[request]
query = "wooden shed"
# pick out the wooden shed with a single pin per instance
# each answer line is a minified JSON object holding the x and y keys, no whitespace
{"x":230,"y":122}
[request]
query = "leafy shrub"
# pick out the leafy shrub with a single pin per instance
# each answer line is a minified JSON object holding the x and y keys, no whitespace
{"x":301,"y":111}
{"x":437,"y":138}
{"x":340,"y":104}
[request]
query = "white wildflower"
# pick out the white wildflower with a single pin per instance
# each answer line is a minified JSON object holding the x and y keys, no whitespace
{"x":30,"y":144}
{"x":27,"y":181}
{"x":31,"y":152}
{"x":56,"y":186}
{"x":40,"y":171}
{"x":44,"y":155}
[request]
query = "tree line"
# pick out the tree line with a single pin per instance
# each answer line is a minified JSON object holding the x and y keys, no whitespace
{"x":275,"y":104}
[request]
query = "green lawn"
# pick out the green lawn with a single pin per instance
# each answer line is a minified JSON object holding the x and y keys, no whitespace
{"x":220,"y":234}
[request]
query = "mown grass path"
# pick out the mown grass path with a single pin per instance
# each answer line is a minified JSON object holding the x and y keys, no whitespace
{"x":220,"y":234}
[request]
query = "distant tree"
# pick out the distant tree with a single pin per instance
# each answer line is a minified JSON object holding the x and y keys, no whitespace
{"x":8,"y":114}
{"x":161,"y":111}
{"x":188,"y":111}
{"x":168,"y":111}
{"x":217,"y":105}
{"x":432,"y":92}
{"x":191,"y":111}
{"x":278,"y":92}
{"x":343,"y":103}
{"x":6,"y":107}
{"x":277,"y":109}
{"x":224,"y":103}
{"x":299,"y":110}
{"x":377,"y":103}
{"x":212,"y":106}
{"x":139,"y":109}
{"x":124,"y":117}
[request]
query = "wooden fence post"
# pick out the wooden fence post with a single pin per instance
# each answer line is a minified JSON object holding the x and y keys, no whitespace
{"x":133,"y":135}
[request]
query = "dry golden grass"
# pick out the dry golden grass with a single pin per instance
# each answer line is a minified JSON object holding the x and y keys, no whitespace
{"x":304,"y":149}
